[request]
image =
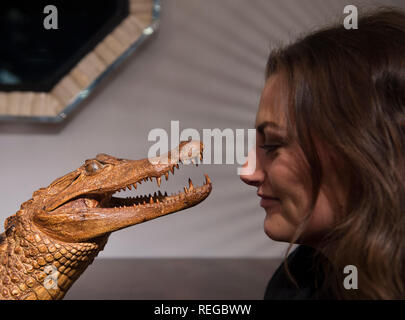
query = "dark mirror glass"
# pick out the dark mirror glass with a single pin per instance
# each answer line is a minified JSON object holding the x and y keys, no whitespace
{"x":33,"y":58}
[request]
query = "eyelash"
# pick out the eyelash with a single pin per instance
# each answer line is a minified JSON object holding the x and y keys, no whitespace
{"x":270,"y":147}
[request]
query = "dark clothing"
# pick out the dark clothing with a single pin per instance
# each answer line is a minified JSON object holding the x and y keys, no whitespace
{"x":302,"y":268}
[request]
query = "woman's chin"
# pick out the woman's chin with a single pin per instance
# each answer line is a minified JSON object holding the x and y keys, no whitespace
{"x":277,"y":228}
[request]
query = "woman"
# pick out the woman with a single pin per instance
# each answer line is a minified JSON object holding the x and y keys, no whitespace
{"x":330,"y":161}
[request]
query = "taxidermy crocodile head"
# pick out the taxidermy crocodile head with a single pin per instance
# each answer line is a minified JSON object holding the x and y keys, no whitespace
{"x":55,"y":235}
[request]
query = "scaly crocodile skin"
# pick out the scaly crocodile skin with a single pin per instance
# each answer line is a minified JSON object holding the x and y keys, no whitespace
{"x":57,"y":234}
{"x":25,"y":252}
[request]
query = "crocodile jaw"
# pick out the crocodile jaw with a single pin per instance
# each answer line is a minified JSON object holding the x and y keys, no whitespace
{"x":77,"y":216}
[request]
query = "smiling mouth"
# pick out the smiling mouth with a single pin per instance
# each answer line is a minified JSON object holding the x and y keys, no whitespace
{"x":263,"y":196}
{"x":269,"y":202}
{"x":269,"y":198}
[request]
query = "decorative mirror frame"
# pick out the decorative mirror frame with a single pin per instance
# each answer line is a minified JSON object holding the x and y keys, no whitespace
{"x":56,"y":105}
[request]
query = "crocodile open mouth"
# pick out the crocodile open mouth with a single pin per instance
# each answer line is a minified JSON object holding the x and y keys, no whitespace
{"x":190,"y":195}
{"x":190,"y":192}
{"x":84,"y":206}
{"x":159,"y":198}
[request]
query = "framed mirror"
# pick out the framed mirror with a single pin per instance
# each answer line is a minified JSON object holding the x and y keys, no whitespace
{"x":53,"y":56}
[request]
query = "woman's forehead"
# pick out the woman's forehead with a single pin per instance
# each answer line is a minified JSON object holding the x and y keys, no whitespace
{"x":273,"y":102}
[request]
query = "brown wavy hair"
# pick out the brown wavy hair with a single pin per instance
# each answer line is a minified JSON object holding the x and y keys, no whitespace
{"x":347,"y":89}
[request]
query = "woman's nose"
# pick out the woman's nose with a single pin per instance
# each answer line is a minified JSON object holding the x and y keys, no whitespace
{"x":251,"y":172}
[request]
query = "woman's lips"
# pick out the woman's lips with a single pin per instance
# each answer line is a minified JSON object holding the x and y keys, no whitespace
{"x":268,"y":202}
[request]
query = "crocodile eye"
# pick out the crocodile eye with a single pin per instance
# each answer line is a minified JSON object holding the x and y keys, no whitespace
{"x":92,"y":166}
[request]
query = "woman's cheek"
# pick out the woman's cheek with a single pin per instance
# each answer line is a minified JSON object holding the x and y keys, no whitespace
{"x":289,"y":185}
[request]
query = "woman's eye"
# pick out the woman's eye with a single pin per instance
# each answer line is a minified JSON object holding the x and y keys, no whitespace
{"x":270,"y":147}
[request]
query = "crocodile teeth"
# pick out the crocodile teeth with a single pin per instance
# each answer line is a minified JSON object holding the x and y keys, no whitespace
{"x":158,"y":199}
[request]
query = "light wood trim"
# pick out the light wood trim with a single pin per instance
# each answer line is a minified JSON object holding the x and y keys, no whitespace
{"x":37,"y":104}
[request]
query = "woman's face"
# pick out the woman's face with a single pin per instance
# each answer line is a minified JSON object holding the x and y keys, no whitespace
{"x":282,"y":176}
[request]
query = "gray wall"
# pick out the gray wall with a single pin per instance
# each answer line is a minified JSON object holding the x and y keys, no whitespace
{"x":204,"y":68}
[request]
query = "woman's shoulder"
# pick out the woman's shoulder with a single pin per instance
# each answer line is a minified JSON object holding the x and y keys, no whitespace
{"x":309,"y":278}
